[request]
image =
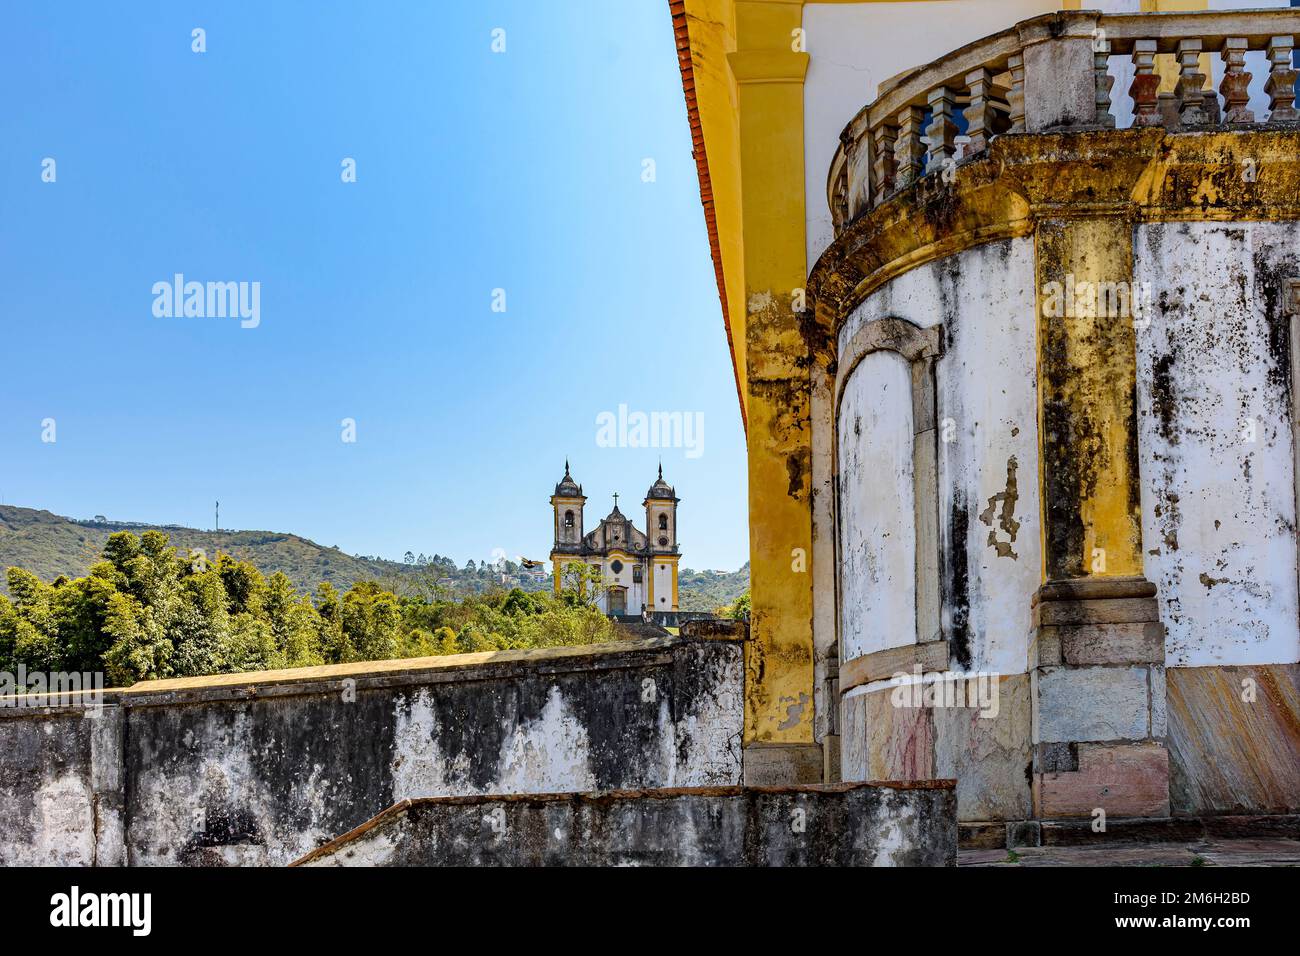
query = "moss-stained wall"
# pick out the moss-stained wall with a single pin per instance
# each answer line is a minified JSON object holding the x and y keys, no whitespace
{"x":848,"y":825}
{"x":260,"y":769}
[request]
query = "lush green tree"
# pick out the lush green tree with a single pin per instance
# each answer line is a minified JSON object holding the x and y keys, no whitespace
{"x":244,"y":584}
{"x":371,"y":620}
{"x":140,"y":649}
{"x":81,"y":610}
{"x":739,"y":611}
{"x":293,"y":625}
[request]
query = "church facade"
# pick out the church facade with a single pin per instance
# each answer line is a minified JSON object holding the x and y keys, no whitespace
{"x":637,"y":569}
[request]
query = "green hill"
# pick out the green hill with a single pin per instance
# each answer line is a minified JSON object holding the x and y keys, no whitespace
{"x":49,"y":545}
{"x":710,"y":590}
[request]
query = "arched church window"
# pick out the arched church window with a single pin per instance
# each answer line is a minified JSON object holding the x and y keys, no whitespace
{"x":568,"y":519}
{"x":636,"y":574}
{"x":663,"y":522}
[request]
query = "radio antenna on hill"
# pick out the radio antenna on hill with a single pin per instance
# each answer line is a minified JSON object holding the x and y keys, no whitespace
{"x":216,"y":519}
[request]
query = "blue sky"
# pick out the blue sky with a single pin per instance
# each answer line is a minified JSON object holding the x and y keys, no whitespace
{"x":476,"y":171}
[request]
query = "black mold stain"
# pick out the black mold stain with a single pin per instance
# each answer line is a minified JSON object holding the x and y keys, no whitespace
{"x":1061,"y":484}
{"x":1273,"y":275}
{"x":956,"y":582}
{"x":794,"y":467}
{"x":1163,"y":399}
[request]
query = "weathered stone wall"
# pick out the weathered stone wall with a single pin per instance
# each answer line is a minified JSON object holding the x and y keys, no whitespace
{"x":846,"y":825}
{"x":262,"y":768}
{"x":61,"y":788}
{"x":986,"y":490}
{"x":1234,"y":740}
{"x":985,"y":749}
{"x":1216,"y":437}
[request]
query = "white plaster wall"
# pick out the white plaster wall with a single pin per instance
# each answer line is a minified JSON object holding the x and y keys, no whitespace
{"x":877,"y":532}
{"x":853,"y":47}
{"x":988,"y":471}
{"x":1218,"y":508}
{"x":636,"y":596}
{"x":663,"y":587}
{"x":987,"y":410}
{"x":550,"y":754}
{"x":823,"y":548}
{"x":635,"y":592}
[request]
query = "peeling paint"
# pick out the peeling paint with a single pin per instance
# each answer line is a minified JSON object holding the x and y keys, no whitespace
{"x":1006,"y":517}
{"x":1215,"y":437}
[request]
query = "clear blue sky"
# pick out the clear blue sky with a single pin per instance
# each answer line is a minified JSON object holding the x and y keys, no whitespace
{"x":475,"y":171}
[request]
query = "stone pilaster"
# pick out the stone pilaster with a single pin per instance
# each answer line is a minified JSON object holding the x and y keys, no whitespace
{"x":1097,"y":678}
{"x":1096,"y":656}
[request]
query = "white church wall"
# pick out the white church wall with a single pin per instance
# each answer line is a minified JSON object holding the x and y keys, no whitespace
{"x":663,"y":573}
{"x":1216,"y":440}
{"x":988,"y":497}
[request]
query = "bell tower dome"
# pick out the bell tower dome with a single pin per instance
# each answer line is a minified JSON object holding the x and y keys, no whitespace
{"x":661,"y":515}
{"x":568,"y":502}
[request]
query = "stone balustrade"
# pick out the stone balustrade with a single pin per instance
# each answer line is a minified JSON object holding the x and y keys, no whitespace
{"x":1053,"y":73}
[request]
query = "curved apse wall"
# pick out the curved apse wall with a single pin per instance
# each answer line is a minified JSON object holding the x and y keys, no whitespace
{"x":876,"y":507}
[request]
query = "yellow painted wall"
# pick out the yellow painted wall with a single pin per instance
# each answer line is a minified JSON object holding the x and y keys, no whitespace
{"x":712,"y":26}
{"x":1087,"y":371}
{"x":779,"y":660}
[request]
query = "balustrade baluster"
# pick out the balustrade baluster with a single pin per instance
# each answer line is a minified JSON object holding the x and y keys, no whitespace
{"x":1281,"y":81}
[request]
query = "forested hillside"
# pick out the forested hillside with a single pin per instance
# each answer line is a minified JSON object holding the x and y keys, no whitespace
{"x":49,"y":545}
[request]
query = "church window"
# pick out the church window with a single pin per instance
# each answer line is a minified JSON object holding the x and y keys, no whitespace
{"x":616,"y":566}
{"x":663,"y":522}
{"x":568,"y":519}
{"x":636,"y":574}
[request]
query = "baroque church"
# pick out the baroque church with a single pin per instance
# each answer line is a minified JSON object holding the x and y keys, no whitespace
{"x":638,"y":568}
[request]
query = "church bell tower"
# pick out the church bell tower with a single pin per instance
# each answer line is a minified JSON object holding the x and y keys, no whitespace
{"x":567,"y":503}
{"x":661,"y":538}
